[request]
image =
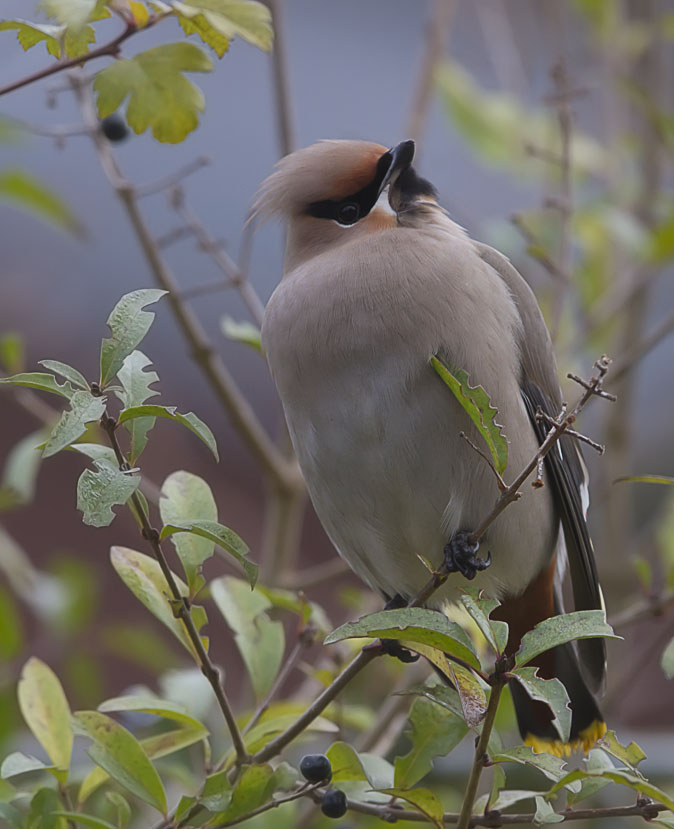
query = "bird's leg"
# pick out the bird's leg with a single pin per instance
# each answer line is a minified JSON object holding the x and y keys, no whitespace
{"x":391,"y":646}
{"x":461,"y":556}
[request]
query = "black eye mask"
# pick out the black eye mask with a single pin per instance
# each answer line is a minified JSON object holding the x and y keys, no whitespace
{"x":349,"y":210}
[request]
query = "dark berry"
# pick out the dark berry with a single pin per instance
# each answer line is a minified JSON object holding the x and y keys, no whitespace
{"x":334,"y":803}
{"x":315,"y":768}
{"x":114,"y":128}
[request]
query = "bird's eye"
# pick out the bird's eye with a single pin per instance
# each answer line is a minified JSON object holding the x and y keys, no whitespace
{"x":348,"y":213}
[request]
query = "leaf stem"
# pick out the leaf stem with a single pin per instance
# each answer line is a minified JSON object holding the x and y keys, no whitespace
{"x":181,"y":607}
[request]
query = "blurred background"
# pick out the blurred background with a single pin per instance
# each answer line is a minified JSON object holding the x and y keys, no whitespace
{"x":547,"y":127}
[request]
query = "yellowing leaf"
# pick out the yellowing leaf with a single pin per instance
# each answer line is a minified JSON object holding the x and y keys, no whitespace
{"x":218,"y":21}
{"x":160,"y":96}
{"x":139,"y":12}
{"x":46,"y":711}
{"x":28,"y":34}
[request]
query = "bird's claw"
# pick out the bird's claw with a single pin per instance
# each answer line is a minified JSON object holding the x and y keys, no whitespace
{"x":461,"y":556}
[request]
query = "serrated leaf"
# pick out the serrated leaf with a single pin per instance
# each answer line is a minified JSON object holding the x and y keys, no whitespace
{"x":508,"y":797}
{"x":630,"y":755}
{"x":219,"y":21}
{"x":24,"y":191}
{"x":433,"y":732}
{"x":581,"y":624}
{"x":19,"y":763}
{"x":160,"y":96}
{"x":76,"y":41}
{"x":261,"y":642}
{"x":189,"y":421}
{"x":548,"y":764}
{"x":85,"y":820}
{"x":479,"y":609}
{"x":118,"y":752}
{"x":99,"y":491}
{"x":143,"y":576}
{"x":345,"y":763}
{"x":46,"y":711}
{"x":423,"y":801}
{"x":220,"y":535}
{"x":149,"y":704}
{"x":412,"y":624}
{"x":129,"y":324}
{"x":185,"y":497}
{"x":21,"y":467}
{"x":97,"y":452}
{"x":67,"y":372}
{"x":41,"y":382}
{"x":136,"y":384}
{"x":553,"y":693}
{"x":545,"y":813}
{"x":477,"y":405}
{"x":242,"y":332}
{"x":29,"y":34}
{"x":84,"y":408}
{"x":624,"y":778}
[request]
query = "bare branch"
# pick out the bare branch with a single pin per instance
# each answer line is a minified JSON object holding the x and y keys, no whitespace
{"x":174,"y":178}
{"x":500,"y":483}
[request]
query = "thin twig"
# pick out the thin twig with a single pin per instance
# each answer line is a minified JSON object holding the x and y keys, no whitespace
{"x":535,"y":247}
{"x":181,"y":603}
{"x":437,"y":30}
{"x":637,"y":352}
{"x":500,"y":483}
{"x":174,"y":178}
{"x":648,"y":609}
{"x":280,"y":79}
{"x":303,"y":792}
{"x":107,"y":50}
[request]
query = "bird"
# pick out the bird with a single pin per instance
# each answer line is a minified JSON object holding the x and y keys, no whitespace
{"x":377,"y":280}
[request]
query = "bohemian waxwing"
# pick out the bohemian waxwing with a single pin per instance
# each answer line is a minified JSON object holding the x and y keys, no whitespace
{"x":377,"y":280}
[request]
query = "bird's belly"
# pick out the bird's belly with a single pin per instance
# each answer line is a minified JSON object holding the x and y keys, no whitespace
{"x":391,"y":480}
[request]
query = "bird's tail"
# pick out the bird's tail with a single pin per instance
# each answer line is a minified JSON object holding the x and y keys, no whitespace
{"x":534,"y":718}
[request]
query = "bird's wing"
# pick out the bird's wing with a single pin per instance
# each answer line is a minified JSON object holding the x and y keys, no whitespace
{"x":566,"y":470}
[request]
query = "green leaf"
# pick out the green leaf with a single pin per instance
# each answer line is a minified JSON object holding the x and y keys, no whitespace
{"x":24,"y":191}
{"x":136,"y":383}
{"x":99,"y":491}
{"x":29,"y":33}
{"x":21,"y":468}
{"x":508,"y":797}
{"x":118,"y":752}
{"x":414,"y":625}
{"x":216,"y":794}
{"x":12,"y":353}
{"x":153,"y":705}
{"x":548,"y":764}
{"x":422,"y":800}
{"x":220,"y":535}
{"x":667,"y":660}
{"x":76,"y":41}
{"x":622,"y":778}
{"x":261,"y":642}
{"x":581,"y":624}
{"x":645,"y":479}
{"x":471,"y":693}
{"x":160,"y":96}
{"x":477,"y":404}
{"x":479,"y":609}
{"x":19,"y":763}
{"x":12,"y":816}
{"x":297,"y":603}
{"x":545,"y":813}
{"x":185,"y":497}
{"x":143,"y":576}
{"x":276,"y":719}
{"x":433,"y":732}
{"x":189,"y":420}
{"x":219,"y":21}
{"x":84,"y":408}
{"x":40,"y":381}
{"x":11,"y":628}
{"x":345,"y":763}
{"x":86,"y":820}
{"x":45,"y":709}
{"x":241,"y":332}
{"x":121,"y":805}
{"x":129,"y":324}
{"x":254,"y":788}
{"x":597,"y":761}
{"x":42,"y":807}
{"x":68,"y":372}
{"x":553,"y":693}
{"x":630,"y":755}
{"x":97,"y":452}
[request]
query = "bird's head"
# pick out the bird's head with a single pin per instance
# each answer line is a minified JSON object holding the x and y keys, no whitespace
{"x":334,"y":187}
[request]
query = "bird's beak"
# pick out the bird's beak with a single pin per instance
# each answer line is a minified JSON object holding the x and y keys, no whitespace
{"x":401,"y":158}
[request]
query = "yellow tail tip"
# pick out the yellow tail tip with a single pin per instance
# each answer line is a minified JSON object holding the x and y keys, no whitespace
{"x":585,"y":740}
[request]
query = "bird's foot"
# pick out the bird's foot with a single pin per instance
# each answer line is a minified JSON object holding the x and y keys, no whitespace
{"x":461,"y":556}
{"x":392,"y":646}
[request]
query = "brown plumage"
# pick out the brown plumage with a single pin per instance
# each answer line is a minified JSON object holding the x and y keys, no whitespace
{"x":377,"y":280}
